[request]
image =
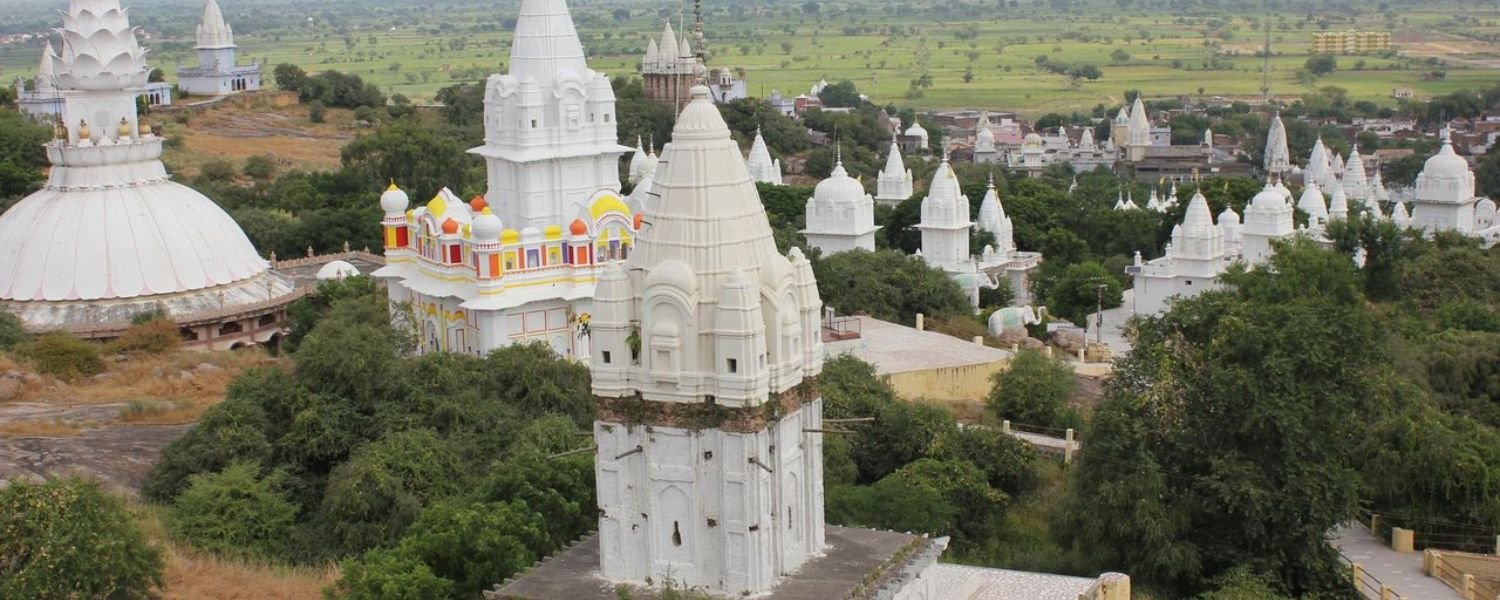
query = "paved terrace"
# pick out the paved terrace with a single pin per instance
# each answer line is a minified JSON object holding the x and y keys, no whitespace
{"x":1401,"y":571}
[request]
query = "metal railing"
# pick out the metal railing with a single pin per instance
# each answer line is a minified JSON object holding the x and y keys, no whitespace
{"x":1367,"y":584}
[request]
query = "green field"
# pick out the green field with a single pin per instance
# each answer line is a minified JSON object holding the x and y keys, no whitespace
{"x":417,"y":51}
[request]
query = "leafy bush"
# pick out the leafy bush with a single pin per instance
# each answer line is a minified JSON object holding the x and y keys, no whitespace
{"x":67,"y":539}
{"x":388,"y":575}
{"x":317,"y":112}
{"x":1034,"y":390}
{"x":62,"y":355}
{"x":235,"y":512}
{"x":372,"y":498}
{"x":232,"y":431}
{"x":259,"y":167}
{"x":12,"y":332}
{"x":157,"y":336}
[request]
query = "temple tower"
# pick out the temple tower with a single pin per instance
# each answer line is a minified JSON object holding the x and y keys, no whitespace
{"x":704,"y":344}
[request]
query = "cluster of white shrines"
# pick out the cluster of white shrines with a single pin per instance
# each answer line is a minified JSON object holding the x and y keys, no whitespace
{"x":1201,"y":249}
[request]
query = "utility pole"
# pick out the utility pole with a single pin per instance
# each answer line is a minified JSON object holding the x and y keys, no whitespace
{"x":1099,"y":306}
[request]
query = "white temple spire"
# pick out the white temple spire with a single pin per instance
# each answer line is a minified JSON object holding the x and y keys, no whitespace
{"x":213,"y":31}
{"x":546,"y":45}
{"x":1278,"y":158}
{"x":1314,"y":205}
{"x":762,"y":168}
{"x":46,"y":75}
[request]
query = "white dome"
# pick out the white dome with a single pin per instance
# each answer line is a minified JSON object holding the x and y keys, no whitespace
{"x":916,"y":130}
{"x":486,"y":227}
{"x":839,"y":188}
{"x":394,"y":201}
{"x":1033,"y":139}
{"x":986,"y":135}
{"x":1446,"y":164}
{"x":98,"y":242}
{"x":336,"y":270}
{"x":1229,"y":217}
{"x":1269,"y":198}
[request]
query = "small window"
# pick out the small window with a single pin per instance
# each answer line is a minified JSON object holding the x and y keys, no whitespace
{"x":606,"y":357}
{"x":734,"y":365}
{"x":676,"y":535}
{"x":606,"y":117}
{"x":533,"y":123}
{"x":1190,"y":282}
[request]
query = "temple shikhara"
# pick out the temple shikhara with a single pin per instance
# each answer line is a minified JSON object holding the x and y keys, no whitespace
{"x":217,"y":73}
{"x":110,"y":236}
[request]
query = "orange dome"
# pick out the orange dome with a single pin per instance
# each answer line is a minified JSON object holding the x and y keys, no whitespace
{"x":450,"y":227}
{"x":478,"y":204}
{"x":638,"y":218}
{"x":578,"y":227}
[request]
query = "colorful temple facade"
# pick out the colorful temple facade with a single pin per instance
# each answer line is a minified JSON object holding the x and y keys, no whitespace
{"x":519,"y":264}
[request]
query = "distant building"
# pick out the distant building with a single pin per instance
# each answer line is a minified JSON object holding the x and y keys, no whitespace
{"x":894,"y":183}
{"x":672,"y":67}
{"x":840,"y":215}
{"x":1350,"y":42}
{"x":216,"y":73}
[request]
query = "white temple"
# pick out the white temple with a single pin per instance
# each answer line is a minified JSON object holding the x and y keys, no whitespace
{"x":1002,"y":259}
{"x":1267,"y":217}
{"x":110,"y":235}
{"x":1201,"y":250}
{"x":894,"y":184}
{"x":1196,"y":256}
{"x":216,"y":73}
{"x":762,"y":168}
{"x":840,"y":215}
{"x":1137,"y":132}
{"x":945,"y":226}
{"x":719,"y":318}
{"x":1278,"y":158}
{"x":1444,"y":198}
{"x":669,"y":69}
{"x":520,"y":264}
{"x":985,"y":151}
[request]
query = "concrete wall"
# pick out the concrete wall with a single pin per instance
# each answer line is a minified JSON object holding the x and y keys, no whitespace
{"x":948,"y":384}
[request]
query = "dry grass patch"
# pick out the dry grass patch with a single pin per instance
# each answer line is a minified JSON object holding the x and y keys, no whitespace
{"x":54,"y":428}
{"x":198,"y":575}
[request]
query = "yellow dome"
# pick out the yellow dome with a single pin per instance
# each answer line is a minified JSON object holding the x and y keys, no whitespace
{"x":552,"y":232}
{"x":510,"y":236}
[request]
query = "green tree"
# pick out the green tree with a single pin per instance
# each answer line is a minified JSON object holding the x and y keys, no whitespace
{"x":887,"y":285}
{"x":1223,"y":438}
{"x":841,"y":94}
{"x":373,"y":497}
{"x":236,"y":512}
{"x":232,"y":431}
{"x":1076,"y":294}
{"x":23,"y":156}
{"x":1033,"y":390}
{"x":12,"y":331}
{"x":304,"y":314}
{"x":477,"y":545}
{"x":1321,"y":64}
{"x":1007,"y":462}
{"x":68,"y":539}
{"x":389,"y":574}
{"x":289,"y":77}
{"x":420,"y":158}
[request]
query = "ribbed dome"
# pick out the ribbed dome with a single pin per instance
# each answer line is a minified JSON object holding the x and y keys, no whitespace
{"x":120,"y":242}
{"x":839,"y":188}
{"x":1229,"y":217}
{"x":916,"y":130}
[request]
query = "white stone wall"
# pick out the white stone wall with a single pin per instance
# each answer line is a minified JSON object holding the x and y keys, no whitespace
{"x":697,"y":506}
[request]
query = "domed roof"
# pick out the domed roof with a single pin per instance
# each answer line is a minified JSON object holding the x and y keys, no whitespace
{"x":1229,"y":217}
{"x":114,"y":242}
{"x":916,"y":130}
{"x":487,"y":226}
{"x":839,"y":188}
{"x":1446,"y":164}
{"x":336,"y":270}
{"x":394,"y":201}
{"x":552,"y":232}
{"x":510,"y":236}
{"x":1032,"y":139}
{"x":1269,"y":198}
{"x":578,"y":227}
{"x":478,"y":204}
{"x":450,"y":226}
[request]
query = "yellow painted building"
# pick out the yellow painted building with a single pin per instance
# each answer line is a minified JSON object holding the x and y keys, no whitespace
{"x":1350,"y":42}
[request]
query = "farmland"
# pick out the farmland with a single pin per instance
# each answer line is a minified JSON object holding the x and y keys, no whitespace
{"x":908,"y":54}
